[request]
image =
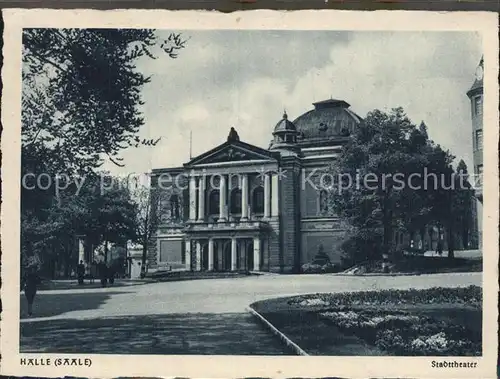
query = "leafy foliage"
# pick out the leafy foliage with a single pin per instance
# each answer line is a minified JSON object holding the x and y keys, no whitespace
{"x":101,"y":215}
{"x":394,"y":178}
{"x":81,"y":104}
{"x":82,"y":92}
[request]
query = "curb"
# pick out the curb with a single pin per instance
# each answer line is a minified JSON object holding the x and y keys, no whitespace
{"x":381,"y":274}
{"x":296,"y":348}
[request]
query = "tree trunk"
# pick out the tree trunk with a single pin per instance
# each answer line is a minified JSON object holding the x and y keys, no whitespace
{"x":66,"y":266}
{"x":450,"y":232}
{"x":450,"y":241}
{"x":387,"y":220}
{"x":105,"y":251}
{"x":465,"y":237}
{"x":144,"y":252}
{"x":53,"y":262}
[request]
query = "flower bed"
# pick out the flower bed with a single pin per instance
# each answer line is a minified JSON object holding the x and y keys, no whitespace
{"x":404,"y":333}
{"x":431,"y":322}
{"x":471,"y":296}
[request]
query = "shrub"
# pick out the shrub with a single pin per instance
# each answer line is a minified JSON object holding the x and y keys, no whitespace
{"x":321,"y":258}
{"x":362,"y":245}
{"x":320,"y":263}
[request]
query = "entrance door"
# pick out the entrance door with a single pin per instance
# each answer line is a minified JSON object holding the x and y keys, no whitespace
{"x":226,"y":257}
{"x":216,"y":256}
{"x":204,"y":257}
{"x":250,"y":256}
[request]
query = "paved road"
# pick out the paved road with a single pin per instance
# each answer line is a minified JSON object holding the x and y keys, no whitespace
{"x":200,"y":333}
{"x":189,"y":317}
{"x":218,"y":295}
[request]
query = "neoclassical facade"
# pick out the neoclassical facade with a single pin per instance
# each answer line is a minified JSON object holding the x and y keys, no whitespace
{"x":240,"y":207}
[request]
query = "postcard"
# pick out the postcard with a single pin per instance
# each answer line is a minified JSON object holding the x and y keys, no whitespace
{"x":249,"y":194}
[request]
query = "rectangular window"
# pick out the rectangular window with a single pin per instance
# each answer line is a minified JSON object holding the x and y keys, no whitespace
{"x":479,"y":175}
{"x":171,"y":251}
{"x":479,"y":139}
{"x":478,"y":105}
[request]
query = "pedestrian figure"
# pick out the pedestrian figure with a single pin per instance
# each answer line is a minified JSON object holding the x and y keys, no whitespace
{"x":103,"y":274}
{"x":93,"y":271}
{"x":31,"y":280}
{"x":80,"y":270}
{"x":111,"y":275}
{"x":439,"y":247}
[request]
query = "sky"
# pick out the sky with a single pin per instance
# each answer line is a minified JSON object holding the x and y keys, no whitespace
{"x":245,"y":79}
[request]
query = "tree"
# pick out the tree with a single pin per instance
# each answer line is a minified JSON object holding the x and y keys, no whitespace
{"x":108,"y":212}
{"x":463,"y":203}
{"x":388,"y":155}
{"x":102,"y":215}
{"x":82,"y":92}
{"x":147,"y":217}
{"x":377,"y":150}
{"x":81,"y":99}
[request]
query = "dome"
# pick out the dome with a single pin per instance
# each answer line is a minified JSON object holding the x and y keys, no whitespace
{"x":285,"y":125}
{"x":284,"y":136}
{"x":330,"y":120}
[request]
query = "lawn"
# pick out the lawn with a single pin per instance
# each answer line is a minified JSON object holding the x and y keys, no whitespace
{"x":434,"y":322}
{"x":420,"y":264}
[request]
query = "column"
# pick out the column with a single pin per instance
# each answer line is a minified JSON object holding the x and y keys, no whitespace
{"x":244,"y":197}
{"x":265,"y":251}
{"x":201,"y":198}
{"x":275,"y":196}
{"x":267,"y":195}
{"x":188,"y":254}
{"x":220,"y":258}
{"x":243,"y":255}
{"x":233,"y":254}
{"x":211,"y":254}
{"x":81,"y":250}
{"x":198,"y":255}
{"x":256,"y":253}
{"x":192,"y":198}
{"x":223,"y":198}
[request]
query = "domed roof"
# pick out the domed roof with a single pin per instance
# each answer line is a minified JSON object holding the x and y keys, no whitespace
{"x":329,"y":120}
{"x":285,"y":125}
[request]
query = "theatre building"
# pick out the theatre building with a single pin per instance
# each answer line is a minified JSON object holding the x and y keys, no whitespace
{"x":242,"y":207}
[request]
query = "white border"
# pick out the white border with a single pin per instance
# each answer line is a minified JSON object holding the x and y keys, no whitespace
{"x":242,"y":366}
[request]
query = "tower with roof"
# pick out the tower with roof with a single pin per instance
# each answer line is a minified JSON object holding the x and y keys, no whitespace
{"x":475,"y":94}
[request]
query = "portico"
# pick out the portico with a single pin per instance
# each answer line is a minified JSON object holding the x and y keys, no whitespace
{"x":225,"y":253}
{"x":233,"y":197}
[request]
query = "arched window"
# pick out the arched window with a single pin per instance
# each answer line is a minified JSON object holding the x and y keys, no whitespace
{"x":163,"y":209}
{"x":258,"y":200}
{"x":214,"y":202}
{"x":175,"y":208}
{"x":236,"y":201}
{"x":323,"y":202}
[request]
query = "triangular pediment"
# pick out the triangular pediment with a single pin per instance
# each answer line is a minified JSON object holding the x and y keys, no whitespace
{"x":232,"y":151}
